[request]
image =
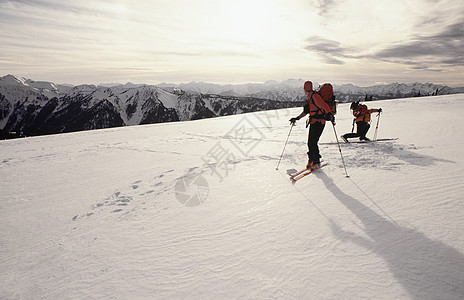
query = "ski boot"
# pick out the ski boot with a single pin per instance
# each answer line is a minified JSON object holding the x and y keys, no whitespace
{"x":344,"y":139}
{"x":312,"y":165}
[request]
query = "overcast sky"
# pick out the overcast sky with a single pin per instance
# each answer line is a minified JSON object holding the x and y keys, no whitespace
{"x":363,"y":42}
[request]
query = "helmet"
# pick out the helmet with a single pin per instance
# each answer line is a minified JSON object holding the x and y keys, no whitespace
{"x":308,"y":86}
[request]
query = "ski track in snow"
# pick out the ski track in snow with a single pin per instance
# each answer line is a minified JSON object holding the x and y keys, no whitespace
{"x":96,"y":214}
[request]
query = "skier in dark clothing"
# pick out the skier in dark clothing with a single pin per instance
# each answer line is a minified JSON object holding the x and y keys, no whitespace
{"x":318,"y":111}
{"x":362,"y":118}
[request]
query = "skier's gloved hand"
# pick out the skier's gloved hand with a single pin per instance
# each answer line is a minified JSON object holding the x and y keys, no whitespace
{"x":293,"y":121}
{"x":330,"y":117}
{"x":380,"y":110}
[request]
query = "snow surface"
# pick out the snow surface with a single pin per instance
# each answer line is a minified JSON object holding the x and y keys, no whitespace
{"x":198,"y":210}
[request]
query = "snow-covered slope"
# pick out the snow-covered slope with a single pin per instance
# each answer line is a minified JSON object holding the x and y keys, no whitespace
{"x":198,"y":210}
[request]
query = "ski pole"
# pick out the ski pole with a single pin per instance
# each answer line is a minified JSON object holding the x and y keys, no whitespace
{"x":376,"y":127}
{"x":340,"y":150}
{"x":291,"y":127}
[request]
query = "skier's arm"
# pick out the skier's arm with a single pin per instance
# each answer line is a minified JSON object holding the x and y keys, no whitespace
{"x":373,"y":110}
{"x":293,"y":120}
{"x":303,"y":113}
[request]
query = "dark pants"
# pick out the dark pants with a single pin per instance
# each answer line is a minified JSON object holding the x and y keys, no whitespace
{"x":361,"y":130}
{"x":315,"y":132}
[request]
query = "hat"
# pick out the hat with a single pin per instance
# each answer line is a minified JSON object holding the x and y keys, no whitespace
{"x":354,"y":105}
{"x":308,"y":86}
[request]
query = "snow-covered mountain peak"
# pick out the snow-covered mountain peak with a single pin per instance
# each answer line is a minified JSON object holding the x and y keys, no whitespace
{"x":84,"y":89}
{"x":43,"y":86}
{"x":12,"y":80}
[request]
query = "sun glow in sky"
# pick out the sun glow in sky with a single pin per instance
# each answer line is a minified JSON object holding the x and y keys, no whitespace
{"x":348,"y":41}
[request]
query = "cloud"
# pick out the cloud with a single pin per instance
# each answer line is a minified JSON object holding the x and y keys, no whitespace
{"x":432,"y":52}
{"x":444,"y":49}
{"x":330,"y":51}
{"x":324,"y":6}
{"x":55,"y":5}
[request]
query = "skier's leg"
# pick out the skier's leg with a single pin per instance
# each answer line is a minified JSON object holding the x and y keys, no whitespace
{"x":315,"y":132}
{"x":350,"y":135}
{"x":363,"y":128}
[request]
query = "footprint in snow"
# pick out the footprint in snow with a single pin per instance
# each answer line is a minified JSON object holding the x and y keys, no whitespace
{"x":136,"y":184}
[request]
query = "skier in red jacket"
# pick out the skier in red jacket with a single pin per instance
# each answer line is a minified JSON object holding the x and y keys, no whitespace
{"x":318,"y":111}
{"x":362,"y":118}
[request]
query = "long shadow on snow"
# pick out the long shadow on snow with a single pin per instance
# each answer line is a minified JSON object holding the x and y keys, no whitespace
{"x":386,"y":155}
{"x":405,"y":153}
{"x":426,"y":268}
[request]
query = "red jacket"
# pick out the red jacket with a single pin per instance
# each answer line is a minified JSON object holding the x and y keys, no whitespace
{"x":362,"y":114}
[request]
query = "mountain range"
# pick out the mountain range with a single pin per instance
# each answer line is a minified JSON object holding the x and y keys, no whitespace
{"x":36,"y":107}
{"x":29,"y":107}
{"x":291,"y":90}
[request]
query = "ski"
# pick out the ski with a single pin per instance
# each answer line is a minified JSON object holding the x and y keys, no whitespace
{"x":306,"y":173}
{"x":300,"y":174}
{"x":297,"y":173}
{"x":372,"y":141}
{"x":360,"y":142}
